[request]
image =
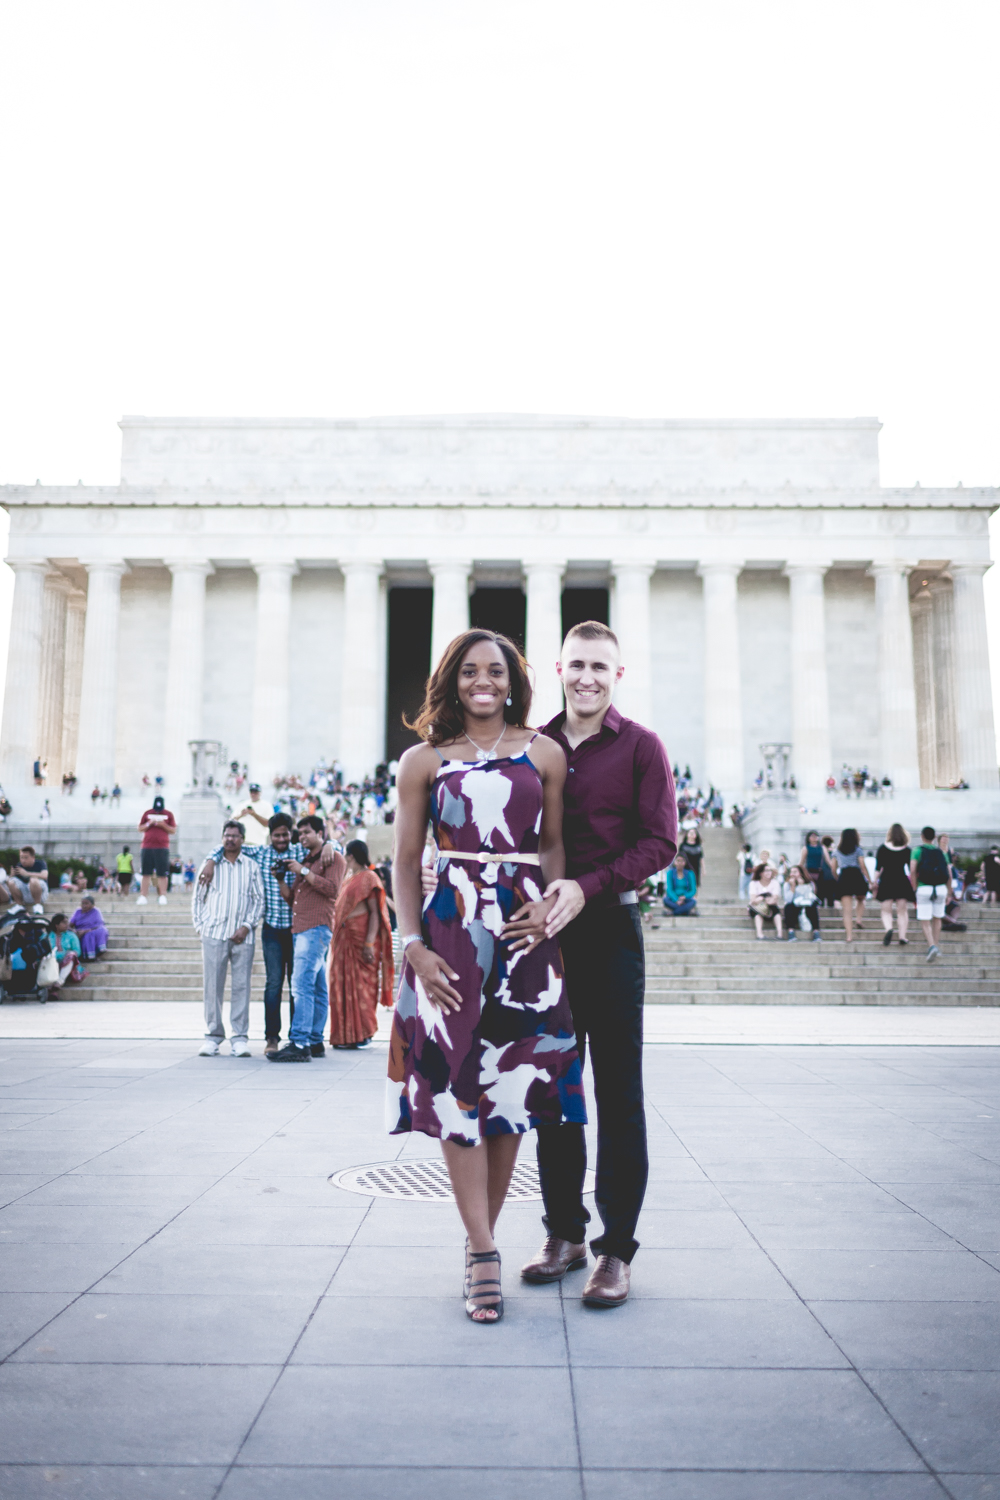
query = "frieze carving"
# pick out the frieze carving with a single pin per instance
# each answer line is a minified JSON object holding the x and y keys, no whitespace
{"x":721,"y":522}
{"x":894,"y":522}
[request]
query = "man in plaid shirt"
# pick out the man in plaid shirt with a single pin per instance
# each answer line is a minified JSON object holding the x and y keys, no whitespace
{"x":276,"y":929}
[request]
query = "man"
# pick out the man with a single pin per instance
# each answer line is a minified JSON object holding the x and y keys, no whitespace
{"x":29,"y":879}
{"x":125,"y":869}
{"x":225,"y":914}
{"x":156,"y":825}
{"x":312,"y":899}
{"x":256,"y":816}
{"x":619,"y":827}
{"x":930,"y":876}
{"x":276,"y":929}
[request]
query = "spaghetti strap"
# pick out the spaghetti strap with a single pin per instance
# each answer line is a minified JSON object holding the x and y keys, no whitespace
{"x":533,"y":739}
{"x":440,"y":757}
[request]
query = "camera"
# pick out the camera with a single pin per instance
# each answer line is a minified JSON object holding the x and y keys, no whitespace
{"x":280,"y":869}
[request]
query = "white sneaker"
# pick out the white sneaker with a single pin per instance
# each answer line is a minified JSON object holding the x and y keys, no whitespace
{"x":240,"y":1047}
{"x":209,"y":1048}
{"x":38,"y":909}
{"x":141,"y":901}
{"x":162,"y":901}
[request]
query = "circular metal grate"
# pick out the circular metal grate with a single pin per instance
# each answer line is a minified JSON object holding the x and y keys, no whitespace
{"x":428,"y":1182}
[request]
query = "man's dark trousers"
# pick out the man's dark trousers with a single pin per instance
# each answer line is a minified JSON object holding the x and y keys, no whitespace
{"x":605,"y":979}
{"x":277,"y":945}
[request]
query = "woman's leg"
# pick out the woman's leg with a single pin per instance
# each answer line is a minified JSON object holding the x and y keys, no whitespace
{"x":469,"y":1170}
{"x":779,"y":926}
{"x":758,"y":922}
{"x":902,"y":919}
{"x":847,"y":913}
{"x":887,"y":914}
{"x":501,"y":1156}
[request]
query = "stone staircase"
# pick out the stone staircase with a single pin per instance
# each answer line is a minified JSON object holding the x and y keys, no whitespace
{"x":713,"y":959}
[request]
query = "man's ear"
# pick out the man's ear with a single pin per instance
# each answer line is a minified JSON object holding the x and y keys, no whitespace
{"x":559,"y":667}
{"x":618,"y":674}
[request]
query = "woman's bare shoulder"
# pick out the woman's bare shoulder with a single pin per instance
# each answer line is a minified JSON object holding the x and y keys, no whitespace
{"x":419,"y":760}
{"x":546,"y":754}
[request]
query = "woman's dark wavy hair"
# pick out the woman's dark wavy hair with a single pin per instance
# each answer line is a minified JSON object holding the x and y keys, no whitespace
{"x":440,"y":717}
{"x":849,"y":841}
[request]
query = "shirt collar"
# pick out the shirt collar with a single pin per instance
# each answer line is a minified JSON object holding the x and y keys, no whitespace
{"x":556,"y":727}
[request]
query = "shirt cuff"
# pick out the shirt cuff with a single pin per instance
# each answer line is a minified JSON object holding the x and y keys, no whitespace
{"x":591,"y":885}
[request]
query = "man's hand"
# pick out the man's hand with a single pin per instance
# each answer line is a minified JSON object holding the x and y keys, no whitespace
{"x":570,"y":902}
{"x":527,"y":927}
{"x":428,"y":880}
{"x":434,"y":974}
{"x":294,"y":866}
{"x":207,"y":874}
{"x":240,"y":935}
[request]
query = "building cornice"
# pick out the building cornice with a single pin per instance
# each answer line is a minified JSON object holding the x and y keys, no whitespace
{"x":609,"y":497}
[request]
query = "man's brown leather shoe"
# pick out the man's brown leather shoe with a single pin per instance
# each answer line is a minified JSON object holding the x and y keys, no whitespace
{"x":608,"y":1283}
{"x":554,"y":1259}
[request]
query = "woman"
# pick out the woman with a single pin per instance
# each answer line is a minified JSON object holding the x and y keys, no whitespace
{"x":853,"y":880}
{"x":692,"y":850}
{"x":892,"y":862}
{"x":826,"y":887}
{"x":66,"y":946}
{"x":482,"y":1044}
{"x":361,"y":972}
{"x":799,"y":896}
{"x":811,"y":858}
{"x":682,"y":890}
{"x":88,"y":924}
{"x":765,"y":900}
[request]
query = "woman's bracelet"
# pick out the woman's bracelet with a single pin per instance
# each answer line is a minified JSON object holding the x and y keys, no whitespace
{"x":414,"y":937}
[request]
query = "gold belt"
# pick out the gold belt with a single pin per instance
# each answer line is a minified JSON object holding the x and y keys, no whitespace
{"x":492,"y":859}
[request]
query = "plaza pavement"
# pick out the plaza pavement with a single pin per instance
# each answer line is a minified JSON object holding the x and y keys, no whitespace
{"x":189,"y":1309}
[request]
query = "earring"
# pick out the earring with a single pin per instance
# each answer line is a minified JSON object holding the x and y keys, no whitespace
{"x":510,"y":701}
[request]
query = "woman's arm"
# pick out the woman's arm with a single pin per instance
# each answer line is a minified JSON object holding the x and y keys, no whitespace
{"x":369,"y":942}
{"x":551,"y":763}
{"x":413,"y":785}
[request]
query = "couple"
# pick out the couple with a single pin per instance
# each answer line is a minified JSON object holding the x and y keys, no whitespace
{"x":539,"y":833}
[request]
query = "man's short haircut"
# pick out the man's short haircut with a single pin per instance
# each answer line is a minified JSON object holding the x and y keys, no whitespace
{"x":311,"y":821}
{"x":232,"y":823}
{"x":593,"y":630}
{"x":927,"y":834}
{"x":280,"y":820}
{"x":27,"y":849}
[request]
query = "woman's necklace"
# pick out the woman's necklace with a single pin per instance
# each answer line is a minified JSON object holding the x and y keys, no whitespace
{"x":491,"y":753}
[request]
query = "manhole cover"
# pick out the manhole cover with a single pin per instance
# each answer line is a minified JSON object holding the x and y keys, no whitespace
{"x":428,"y":1182}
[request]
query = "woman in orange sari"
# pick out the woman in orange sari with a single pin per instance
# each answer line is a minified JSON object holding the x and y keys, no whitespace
{"x":361,"y":971}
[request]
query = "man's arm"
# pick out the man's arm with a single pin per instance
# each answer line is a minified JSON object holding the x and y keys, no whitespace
{"x":198,"y":903}
{"x":656,"y":809}
{"x":327,"y":884}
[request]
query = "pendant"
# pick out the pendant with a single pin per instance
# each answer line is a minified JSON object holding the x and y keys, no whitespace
{"x":491,"y":755}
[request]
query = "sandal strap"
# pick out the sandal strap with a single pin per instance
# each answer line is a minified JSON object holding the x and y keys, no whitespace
{"x":476,"y":1257}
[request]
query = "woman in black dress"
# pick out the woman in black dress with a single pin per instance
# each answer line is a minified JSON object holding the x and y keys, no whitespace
{"x":894,"y":889}
{"x":692,"y":851}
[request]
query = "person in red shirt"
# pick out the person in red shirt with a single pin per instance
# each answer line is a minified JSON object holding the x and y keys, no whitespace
{"x":619,"y":827}
{"x":156,"y":825}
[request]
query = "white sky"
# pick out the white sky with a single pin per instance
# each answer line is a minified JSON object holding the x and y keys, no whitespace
{"x":353,"y":207}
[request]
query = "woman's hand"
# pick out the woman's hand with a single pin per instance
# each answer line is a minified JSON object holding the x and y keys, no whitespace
{"x":367,"y":953}
{"x":434,"y":974}
{"x":526,"y":927}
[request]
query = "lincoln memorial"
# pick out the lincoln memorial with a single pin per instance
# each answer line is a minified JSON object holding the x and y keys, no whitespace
{"x":283,"y":586}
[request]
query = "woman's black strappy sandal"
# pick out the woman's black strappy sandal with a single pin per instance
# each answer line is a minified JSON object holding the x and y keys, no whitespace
{"x":474,"y":1302}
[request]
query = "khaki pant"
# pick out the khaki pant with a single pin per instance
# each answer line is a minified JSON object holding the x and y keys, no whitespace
{"x":218,"y":954}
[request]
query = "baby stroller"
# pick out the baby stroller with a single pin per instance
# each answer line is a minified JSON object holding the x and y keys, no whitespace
{"x":24,"y":947}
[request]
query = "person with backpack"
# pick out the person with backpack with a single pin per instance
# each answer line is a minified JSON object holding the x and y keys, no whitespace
{"x":930,"y":874}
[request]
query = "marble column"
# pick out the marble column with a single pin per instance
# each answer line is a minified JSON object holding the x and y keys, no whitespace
{"x":21,"y":738}
{"x":543,"y":636}
{"x":182,"y":712}
{"x":632,"y":626}
{"x":723,"y":690}
{"x":76,"y":615}
{"x":922,"y":617}
{"x":977,"y":746}
{"x":946,"y":747}
{"x":362,"y":702}
{"x":57,"y":591}
{"x":897,"y":699}
{"x":271,"y":698}
{"x":451,"y":604}
{"x":811,"y":755}
{"x":98,"y":746}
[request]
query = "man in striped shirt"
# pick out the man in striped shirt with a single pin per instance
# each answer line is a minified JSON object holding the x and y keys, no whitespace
{"x":225,"y":914}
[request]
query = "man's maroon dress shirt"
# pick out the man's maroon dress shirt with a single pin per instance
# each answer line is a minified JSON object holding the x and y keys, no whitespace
{"x":620,"y":811}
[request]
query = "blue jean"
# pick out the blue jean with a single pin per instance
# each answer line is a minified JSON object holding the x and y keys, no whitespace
{"x":312,"y":1005}
{"x":277,"y":945}
{"x":681,"y":908}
